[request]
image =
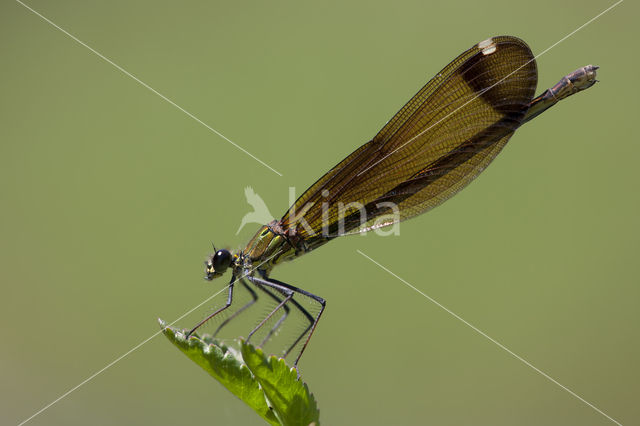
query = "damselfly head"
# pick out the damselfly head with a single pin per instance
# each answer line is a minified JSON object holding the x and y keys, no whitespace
{"x":217,"y":264}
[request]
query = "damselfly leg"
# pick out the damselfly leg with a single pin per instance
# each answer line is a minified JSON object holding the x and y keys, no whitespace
{"x":229,"y":300}
{"x":289,"y":291}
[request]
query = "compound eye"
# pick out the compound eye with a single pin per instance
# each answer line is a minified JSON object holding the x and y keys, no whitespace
{"x":221,"y":260}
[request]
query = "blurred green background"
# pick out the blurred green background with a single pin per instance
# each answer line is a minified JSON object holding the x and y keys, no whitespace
{"x":110,"y":198}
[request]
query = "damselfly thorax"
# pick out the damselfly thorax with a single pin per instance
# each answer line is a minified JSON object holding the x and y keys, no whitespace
{"x":269,"y":247}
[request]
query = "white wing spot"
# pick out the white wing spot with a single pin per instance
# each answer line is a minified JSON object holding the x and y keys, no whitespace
{"x":487,"y":46}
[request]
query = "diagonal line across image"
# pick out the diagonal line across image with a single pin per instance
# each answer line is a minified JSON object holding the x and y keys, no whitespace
{"x":491,"y":339}
{"x":146,"y":86}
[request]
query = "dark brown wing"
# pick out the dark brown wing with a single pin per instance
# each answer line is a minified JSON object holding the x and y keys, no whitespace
{"x":434,"y":146}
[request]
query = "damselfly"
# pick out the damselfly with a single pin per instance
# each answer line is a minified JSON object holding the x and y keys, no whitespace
{"x":444,"y":137}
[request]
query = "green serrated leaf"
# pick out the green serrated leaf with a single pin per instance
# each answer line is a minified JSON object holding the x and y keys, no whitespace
{"x":226,"y":366}
{"x":289,"y":396}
